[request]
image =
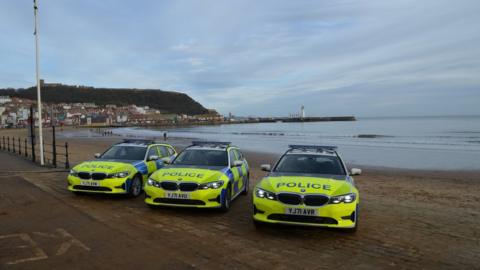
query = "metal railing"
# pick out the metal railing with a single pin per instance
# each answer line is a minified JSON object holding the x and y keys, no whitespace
{"x":56,"y":155}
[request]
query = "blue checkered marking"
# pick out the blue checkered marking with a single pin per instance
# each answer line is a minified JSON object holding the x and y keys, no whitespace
{"x":228,"y":172}
{"x":159,"y":164}
{"x":141,"y":167}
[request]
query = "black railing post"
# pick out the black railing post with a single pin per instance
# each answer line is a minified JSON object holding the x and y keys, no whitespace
{"x":54,"y":148}
{"x":13,"y":144}
{"x":26,"y":151}
{"x":32,"y":133}
{"x":8,"y":143}
{"x":3,"y":142}
{"x":19,"y":147}
{"x":67,"y":162}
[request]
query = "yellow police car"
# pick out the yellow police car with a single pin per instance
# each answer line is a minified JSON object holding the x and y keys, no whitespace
{"x":309,"y":185}
{"x":123,"y":168}
{"x":204,"y":175}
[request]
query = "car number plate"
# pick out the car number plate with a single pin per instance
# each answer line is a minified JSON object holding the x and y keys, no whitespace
{"x":89,"y":183}
{"x":301,"y":211}
{"x":176,"y":195}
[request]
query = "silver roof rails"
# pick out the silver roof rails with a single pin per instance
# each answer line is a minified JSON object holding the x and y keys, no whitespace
{"x":313,"y":147}
{"x":211,"y":143}
{"x":138,"y":141}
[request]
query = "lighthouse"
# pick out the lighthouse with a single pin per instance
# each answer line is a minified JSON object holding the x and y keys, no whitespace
{"x":302,"y":112}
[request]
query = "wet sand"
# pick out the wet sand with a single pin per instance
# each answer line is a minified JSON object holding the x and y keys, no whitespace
{"x":409,"y":219}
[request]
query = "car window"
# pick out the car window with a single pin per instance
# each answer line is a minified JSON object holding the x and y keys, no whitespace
{"x":152,"y":151}
{"x":238,"y":154}
{"x":123,"y":152}
{"x":164,"y":151}
{"x":170,"y":150}
{"x":202,"y":158}
{"x":310,"y":164}
{"x":232,"y":155}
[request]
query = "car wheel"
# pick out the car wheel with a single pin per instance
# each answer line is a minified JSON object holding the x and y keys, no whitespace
{"x":227,"y":199}
{"x":135,"y":187}
{"x":245,"y":191}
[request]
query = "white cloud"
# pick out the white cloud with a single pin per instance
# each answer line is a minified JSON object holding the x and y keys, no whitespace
{"x":258,"y":55}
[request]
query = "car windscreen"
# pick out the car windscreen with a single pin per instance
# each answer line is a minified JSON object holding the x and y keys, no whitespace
{"x":199,"y":157}
{"x":125,"y":153}
{"x":310,"y":164}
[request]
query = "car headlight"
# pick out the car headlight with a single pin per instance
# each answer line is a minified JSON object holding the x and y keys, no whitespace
{"x":151,"y":182}
{"x":261,"y":193}
{"x":212,"y":185}
{"x":73,"y":173}
{"x":120,"y":175}
{"x":346,"y":198}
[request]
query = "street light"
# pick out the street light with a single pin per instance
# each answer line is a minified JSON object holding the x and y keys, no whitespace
{"x":39,"y":99}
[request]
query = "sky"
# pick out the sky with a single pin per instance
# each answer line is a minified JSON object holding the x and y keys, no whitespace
{"x":258,"y":58}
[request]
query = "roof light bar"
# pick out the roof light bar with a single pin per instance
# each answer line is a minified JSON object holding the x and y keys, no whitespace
{"x":200,"y":143}
{"x":313,"y":147}
{"x":138,"y":141}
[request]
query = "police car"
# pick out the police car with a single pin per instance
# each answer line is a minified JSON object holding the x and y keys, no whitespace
{"x":123,"y":168}
{"x":309,"y":185}
{"x":204,"y":175}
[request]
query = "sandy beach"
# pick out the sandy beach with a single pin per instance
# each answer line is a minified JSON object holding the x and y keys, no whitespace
{"x":409,"y":219}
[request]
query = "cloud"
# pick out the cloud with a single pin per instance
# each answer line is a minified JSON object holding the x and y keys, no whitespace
{"x":259,"y":58}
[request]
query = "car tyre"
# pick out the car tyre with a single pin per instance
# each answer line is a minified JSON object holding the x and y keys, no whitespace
{"x":227,"y":200}
{"x":135,"y":187}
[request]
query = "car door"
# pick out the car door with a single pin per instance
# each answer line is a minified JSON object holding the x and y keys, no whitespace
{"x":152,"y":165}
{"x":243,"y":170}
{"x":236,"y":171}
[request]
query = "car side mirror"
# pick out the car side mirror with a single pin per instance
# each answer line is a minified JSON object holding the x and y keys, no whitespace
{"x":355,"y":171}
{"x":153,"y":158}
{"x":97,"y":155}
{"x":266,"y":167}
{"x":237,"y":163}
{"x":166,"y":160}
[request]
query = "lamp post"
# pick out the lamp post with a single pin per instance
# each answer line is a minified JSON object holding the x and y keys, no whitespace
{"x":39,"y":99}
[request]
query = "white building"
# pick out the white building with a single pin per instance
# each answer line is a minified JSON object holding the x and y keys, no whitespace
{"x":23,"y":114}
{"x":5,"y":99}
{"x":122,"y":118}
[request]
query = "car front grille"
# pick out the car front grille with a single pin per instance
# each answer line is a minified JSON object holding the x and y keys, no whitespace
{"x":288,"y":198}
{"x":84,"y":175}
{"x":315,"y":200}
{"x":98,"y":176}
{"x":296,"y":199}
{"x":179,"y":201}
{"x":303,"y":219}
{"x":92,"y":176}
{"x":169,"y":185}
{"x":188,"y":186}
{"x":173,"y":186}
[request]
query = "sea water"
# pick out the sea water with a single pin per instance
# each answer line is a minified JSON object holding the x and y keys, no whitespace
{"x":443,"y":143}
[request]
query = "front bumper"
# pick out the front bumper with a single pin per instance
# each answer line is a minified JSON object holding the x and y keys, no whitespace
{"x":209,"y":198}
{"x":109,"y":185}
{"x":341,"y":215}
